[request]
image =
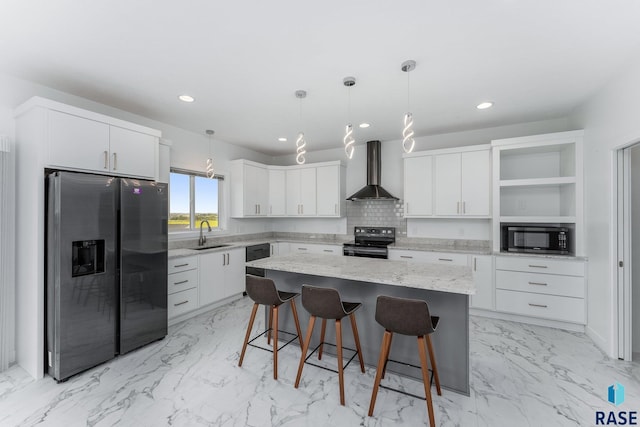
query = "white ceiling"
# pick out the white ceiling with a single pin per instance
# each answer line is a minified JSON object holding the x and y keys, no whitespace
{"x":243,"y":61}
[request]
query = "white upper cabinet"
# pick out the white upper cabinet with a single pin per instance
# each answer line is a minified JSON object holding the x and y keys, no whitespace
{"x":249,"y":189}
{"x":277,"y":192}
{"x":78,"y":139}
{"x":330,"y":190}
{"x":418,"y":186}
{"x":301,"y":191}
{"x":448,"y":183}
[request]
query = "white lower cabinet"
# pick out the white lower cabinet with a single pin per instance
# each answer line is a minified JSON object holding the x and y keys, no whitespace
{"x":482,"y":270}
{"x":552,"y":289}
{"x":444,"y":258}
{"x":221,"y":275}
{"x":315,"y":248}
{"x":182,"y":286}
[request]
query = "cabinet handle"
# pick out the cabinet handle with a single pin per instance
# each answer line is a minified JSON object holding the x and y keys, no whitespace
{"x":115,"y":161}
{"x":259,"y":209}
{"x":180,"y":265}
{"x":302,"y":209}
{"x":272,"y":250}
{"x":335,"y":208}
{"x":328,"y":250}
{"x":406,"y":256}
{"x":302,"y":249}
{"x":538,"y":305}
{"x":445,"y":259}
{"x":227,"y":258}
{"x":180,"y":303}
{"x":270,"y":209}
{"x":538,"y":266}
{"x":106,"y":159}
{"x":180,"y":282}
{"x":538,"y":283}
{"x":407,"y":208}
{"x":464,"y":207}
{"x":475,"y":264}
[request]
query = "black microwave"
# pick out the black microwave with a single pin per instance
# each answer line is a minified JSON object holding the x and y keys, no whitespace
{"x":537,"y":239}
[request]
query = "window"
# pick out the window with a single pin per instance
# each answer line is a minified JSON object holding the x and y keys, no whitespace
{"x":193,"y":198}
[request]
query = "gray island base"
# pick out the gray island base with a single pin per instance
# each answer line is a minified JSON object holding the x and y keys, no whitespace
{"x":445,"y":288}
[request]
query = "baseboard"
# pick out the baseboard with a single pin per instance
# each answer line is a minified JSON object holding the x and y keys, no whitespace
{"x":601,"y":343}
{"x":202,"y":310}
{"x":573,"y":327}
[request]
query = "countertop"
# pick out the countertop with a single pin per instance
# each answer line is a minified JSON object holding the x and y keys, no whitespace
{"x":435,"y":277}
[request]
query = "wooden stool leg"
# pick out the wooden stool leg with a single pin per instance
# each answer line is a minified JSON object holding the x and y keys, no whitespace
{"x":425,"y":379}
{"x":384,"y":349}
{"x":270,"y":326}
{"x":386,"y":357}
{"x":275,"y":342}
{"x":434,"y":368}
{"x":305,"y":348}
{"x":340,"y":367}
{"x":324,"y":328}
{"x":354,"y":327}
{"x":297,"y":322}
{"x":248,"y":334}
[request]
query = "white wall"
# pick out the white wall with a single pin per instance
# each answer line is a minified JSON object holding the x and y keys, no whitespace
{"x":393,"y":170}
{"x":610,"y":120}
{"x":635,"y":248}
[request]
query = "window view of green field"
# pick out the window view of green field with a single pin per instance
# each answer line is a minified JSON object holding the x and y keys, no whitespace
{"x":205,"y":202}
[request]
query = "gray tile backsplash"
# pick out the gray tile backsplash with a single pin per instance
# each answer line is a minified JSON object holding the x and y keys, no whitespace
{"x":377,"y":213}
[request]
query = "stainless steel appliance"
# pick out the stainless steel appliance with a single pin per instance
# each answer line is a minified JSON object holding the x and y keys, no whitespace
{"x":370,"y":242}
{"x":539,"y":239}
{"x":106,"y":268}
{"x":255,"y":252}
{"x":373,"y":190}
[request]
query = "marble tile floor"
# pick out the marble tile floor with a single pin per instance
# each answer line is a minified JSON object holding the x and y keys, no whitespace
{"x":522,"y":375}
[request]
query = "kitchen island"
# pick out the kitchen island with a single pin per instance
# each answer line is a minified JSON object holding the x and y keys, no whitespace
{"x":445,"y":288}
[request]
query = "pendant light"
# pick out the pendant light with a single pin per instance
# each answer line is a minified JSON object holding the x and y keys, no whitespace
{"x":348,"y":131}
{"x":407,"y":132}
{"x":210,"y":172}
{"x":300,"y":141}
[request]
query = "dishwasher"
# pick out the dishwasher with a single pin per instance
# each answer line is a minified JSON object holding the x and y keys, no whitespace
{"x":255,"y":252}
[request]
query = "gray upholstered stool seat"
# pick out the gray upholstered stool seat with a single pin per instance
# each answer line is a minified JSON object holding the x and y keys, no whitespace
{"x":325,"y":303}
{"x":263,"y":292}
{"x":406,"y":317}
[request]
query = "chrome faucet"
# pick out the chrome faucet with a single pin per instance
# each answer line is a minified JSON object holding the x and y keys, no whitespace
{"x":203,"y":238}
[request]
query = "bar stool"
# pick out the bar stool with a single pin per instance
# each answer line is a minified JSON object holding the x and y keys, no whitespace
{"x":325,"y":303}
{"x":263,"y":292}
{"x":406,"y":317}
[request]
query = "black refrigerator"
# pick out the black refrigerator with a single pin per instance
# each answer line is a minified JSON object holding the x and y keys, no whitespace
{"x":106,"y":268}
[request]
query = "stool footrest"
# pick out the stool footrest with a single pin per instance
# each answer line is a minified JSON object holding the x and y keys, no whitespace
{"x":271,"y":349}
{"x":402,"y":391}
{"x":355,"y":353}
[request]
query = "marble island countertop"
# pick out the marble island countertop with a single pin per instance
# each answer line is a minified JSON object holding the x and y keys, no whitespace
{"x":436,"y":277}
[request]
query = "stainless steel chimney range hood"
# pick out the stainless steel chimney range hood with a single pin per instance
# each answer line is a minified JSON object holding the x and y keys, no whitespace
{"x":373,"y":190}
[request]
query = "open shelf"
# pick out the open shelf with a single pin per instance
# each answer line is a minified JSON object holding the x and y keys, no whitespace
{"x":539,"y":219}
{"x":535,"y":182}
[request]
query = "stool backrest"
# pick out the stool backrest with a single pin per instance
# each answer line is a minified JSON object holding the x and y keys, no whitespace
{"x":322,"y":302}
{"x":262,"y":290}
{"x":404,"y":316}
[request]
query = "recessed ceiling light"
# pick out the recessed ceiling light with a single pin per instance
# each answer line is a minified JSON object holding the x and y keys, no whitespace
{"x":484,"y":105}
{"x":282,"y":139}
{"x":364,"y":125}
{"x":186,"y":98}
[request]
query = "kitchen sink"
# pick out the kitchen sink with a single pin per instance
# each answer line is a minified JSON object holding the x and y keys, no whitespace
{"x":202,"y":248}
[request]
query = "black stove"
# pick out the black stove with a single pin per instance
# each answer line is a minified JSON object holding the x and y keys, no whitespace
{"x":370,"y":242}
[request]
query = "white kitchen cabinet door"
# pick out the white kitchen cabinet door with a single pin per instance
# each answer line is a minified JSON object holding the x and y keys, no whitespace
{"x":482,"y":270}
{"x":211,"y":277}
{"x":328,"y":190}
{"x":447,"y":184}
{"x":78,"y":143}
{"x":277,"y":192}
{"x":234,"y":274}
{"x":256,"y":195}
{"x":476,"y":182}
{"x":418,"y":186}
{"x":133,"y":153}
{"x":308,"y":191}
{"x":293,"y":186}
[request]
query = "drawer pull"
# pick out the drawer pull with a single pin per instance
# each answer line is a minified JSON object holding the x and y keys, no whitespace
{"x":180,"y":265}
{"x":406,"y":256}
{"x":538,"y":305}
{"x":328,"y":250}
{"x":538,"y":283}
{"x":180,"y":303}
{"x":537,"y":266}
{"x":181,"y":282}
{"x":302,"y":249}
{"x":445,"y":259}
